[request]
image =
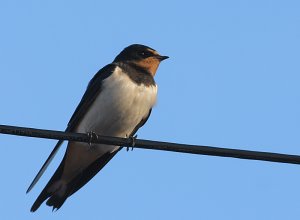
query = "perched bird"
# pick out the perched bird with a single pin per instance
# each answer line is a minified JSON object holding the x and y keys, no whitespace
{"x":117,"y":102}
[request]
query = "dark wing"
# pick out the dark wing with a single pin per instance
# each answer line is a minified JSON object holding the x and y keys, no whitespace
{"x":93,"y":89}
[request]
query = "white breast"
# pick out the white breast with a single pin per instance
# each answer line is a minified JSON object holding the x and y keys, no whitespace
{"x":120,"y":106}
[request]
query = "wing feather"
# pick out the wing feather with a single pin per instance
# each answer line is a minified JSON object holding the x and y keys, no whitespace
{"x":93,"y":89}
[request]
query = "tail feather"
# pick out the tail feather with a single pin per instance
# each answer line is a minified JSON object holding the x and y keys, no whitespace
{"x":56,"y":201}
{"x":57,"y":191}
{"x":47,"y":192}
{"x":41,"y":198}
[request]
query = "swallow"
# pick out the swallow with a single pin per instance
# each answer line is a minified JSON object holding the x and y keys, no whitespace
{"x":117,"y":102}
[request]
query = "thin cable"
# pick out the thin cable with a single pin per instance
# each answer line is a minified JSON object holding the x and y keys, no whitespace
{"x":153,"y":145}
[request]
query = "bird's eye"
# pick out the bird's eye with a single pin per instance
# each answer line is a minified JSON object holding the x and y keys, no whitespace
{"x":145,"y":54}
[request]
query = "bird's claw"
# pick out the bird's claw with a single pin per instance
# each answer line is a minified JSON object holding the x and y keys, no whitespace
{"x":91,"y":135}
{"x":132,"y":141}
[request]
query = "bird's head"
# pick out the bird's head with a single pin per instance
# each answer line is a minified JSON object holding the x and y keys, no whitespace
{"x":141,"y":56}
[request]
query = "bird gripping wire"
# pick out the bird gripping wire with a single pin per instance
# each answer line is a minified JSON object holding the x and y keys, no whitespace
{"x":153,"y":145}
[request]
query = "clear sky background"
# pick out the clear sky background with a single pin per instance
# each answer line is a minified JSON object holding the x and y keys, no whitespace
{"x":232,"y":80}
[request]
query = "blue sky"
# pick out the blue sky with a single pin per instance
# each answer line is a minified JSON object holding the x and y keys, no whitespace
{"x":232,"y":80}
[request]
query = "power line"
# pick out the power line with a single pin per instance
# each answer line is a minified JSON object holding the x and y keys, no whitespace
{"x":153,"y":145}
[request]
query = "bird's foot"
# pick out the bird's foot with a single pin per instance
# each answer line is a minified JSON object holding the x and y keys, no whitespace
{"x":91,"y":135}
{"x":132,"y":141}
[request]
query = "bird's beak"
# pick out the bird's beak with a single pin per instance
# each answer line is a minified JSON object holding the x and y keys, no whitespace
{"x":161,"y":58}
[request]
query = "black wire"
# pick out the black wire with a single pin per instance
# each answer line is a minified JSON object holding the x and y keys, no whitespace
{"x":153,"y":145}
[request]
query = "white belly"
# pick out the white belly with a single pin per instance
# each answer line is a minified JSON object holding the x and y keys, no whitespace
{"x":120,"y":106}
{"x":117,"y":110}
